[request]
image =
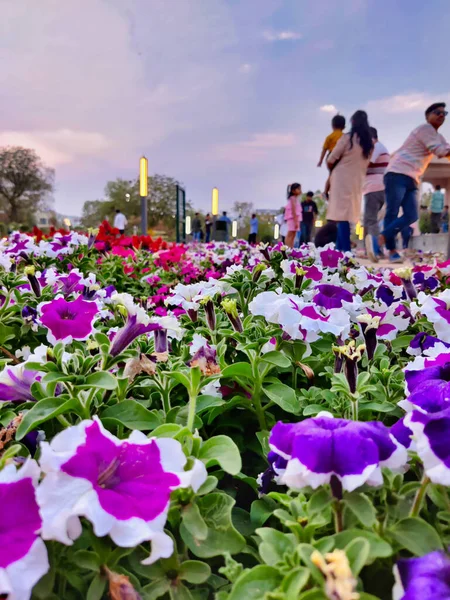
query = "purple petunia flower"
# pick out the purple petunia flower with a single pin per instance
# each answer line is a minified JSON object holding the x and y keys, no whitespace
{"x":437,"y":311}
{"x":321,"y":448}
{"x":122,"y":487}
{"x":431,"y":433}
{"x":16,"y":382}
{"x":428,"y":385}
{"x":332,"y":296}
{"x":425,"y":283}
{"x":23,"y":555}
{"x":68,"y":320}
{"x":423,"y":578}
{"x":330,"y":258}
{"x":422,"y":341}
{"x":403,"y":434}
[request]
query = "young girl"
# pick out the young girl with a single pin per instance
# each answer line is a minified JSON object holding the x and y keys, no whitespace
{"x":293,"y":213}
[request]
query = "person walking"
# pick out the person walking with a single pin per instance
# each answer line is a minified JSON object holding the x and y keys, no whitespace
{"x":254,"y":224}
{"x":120,"y":221}
{"x":197,"y":228}
{"x":353,"y":151}
{"x":309,"y":213}
{"x":208,"y":228}
{"x":404,"y":171}
{"x":226,"y":221}
{"x":373,"y":191}
{"x":436,"y":207}
{"x":293,"y":213}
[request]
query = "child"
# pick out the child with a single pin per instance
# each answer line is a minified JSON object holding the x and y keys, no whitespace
{"x":338,"y":126}
{"x":293,"y":213}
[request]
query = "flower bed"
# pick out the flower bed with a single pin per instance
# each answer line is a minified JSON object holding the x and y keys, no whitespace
{"x":220,"y":421}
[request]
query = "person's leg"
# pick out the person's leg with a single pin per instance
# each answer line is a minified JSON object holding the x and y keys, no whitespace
{"x":435,"y":222}
{"x":290,"y":239}
{"x":397,"y":189}
{"x":308,"y":232}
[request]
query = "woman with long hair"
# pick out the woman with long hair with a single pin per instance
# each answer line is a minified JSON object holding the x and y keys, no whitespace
{"x":350,"y":160}
{"x":293,"y":213}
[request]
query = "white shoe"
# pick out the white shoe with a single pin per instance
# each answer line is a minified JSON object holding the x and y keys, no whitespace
{"x":368,"y":242}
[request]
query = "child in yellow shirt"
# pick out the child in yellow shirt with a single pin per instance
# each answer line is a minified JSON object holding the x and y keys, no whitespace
{"x":338,"y":126}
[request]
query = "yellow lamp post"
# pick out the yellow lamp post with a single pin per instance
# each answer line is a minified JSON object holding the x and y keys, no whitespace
{"x":143,"y":192}
{"x":215,"y":202}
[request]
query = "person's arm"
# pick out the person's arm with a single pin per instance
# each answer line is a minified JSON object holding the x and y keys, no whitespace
{"x":315,"y":209}
{"x":338,"y":151}
{"x":433,"y":142}
{"x":322,"y":156}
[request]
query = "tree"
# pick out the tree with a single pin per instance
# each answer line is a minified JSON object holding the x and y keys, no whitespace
{"x":244,"y":209}
{"x":124,"y":195}
{"x":24,"y":181}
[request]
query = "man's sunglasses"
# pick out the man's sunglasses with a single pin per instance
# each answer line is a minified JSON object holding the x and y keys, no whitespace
{"x":438,"y":113}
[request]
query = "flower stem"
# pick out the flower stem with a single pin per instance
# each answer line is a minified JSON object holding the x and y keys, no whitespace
{"x":191,"y":413}
{"x":7,"y":353}
{"x":338,"y":521}
{"x":64,"y":422}
{"x":355,"y":409}
{"x":420,"y":494}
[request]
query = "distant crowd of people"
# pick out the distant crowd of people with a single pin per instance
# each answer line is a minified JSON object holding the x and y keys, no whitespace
{"x":361,"y":166}
{"x":437,"y":212}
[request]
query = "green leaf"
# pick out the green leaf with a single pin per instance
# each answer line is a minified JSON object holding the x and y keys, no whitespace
{"x":254,"y":584}
{"x":379,"y":548}
{"x":294,"y":582}
{"x":193,"y":521}
{"x":284,"y":396}
{"x":238,"y":370}
{"x":223,"y":451}
{"x":55,"y":377}
{"x":241,"y":520}
{"x":96,"y":589}
{"x":362,"y":508}
{"x":102,"y":380}
{"x":401,"y":341}
{"x":131,"y":414}
{"x":181,"y":378}
{"x":319,"y":501}
{"x":263,"y":438}
{"x":358,"y":553}
{"x":313,"y":595}
{"x":261,"y":510}
{"x":312,"y":409}
{"x":156,"y":589}
{"x":416,"y":535}
{"x":205,"y":402}
{"x":179,"y":592}
{"x":169,"y":430}
{"x":274,"y":546}
{"x":276,"y":358}
{"x":43,"y":411}
{"x":194,"y":571}
{"x":86,"y":560}
{"x":222,"y":536}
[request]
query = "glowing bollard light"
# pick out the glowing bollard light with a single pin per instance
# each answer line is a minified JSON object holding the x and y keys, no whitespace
{"x":318,"y":223}
{"x":188,"y":225}
{"x":234,"y":229}
{"x":143,"y":192}
{"x":215,"y":202}
{"x":276,"y":231}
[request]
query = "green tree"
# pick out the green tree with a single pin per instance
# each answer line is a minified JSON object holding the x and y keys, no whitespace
{"x":24,"y":182}
{"x":124,"y":195}
{"x":244,"y":209}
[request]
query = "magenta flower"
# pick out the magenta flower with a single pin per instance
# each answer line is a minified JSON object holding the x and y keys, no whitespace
{"x":68,"y":320}
{"x":122,"y":487}
{"x":330,"y":258}
{"x":23,"y":555}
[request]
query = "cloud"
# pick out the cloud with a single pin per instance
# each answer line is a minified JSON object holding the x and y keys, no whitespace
{"x":255,"y":149}
{"x":245,"y":68}
{"x":412,"y":102}
{"x":281,"y":36}
{"x":58,"y":147}
{"x":328,"y":108}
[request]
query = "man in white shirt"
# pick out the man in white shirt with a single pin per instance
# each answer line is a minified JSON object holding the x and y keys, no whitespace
{"x":373,"y":191}
{"x":120,"y":221}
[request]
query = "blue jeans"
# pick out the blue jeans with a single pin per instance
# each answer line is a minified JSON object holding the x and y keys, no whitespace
{"x":401,"y":191}
{"x":197,"y":236}
{"x":343,"y":236}
{"x":306,"y":230}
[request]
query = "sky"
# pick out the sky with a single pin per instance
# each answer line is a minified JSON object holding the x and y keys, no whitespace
{"x":236,"y":94}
